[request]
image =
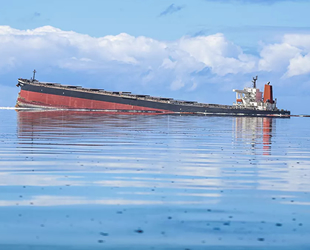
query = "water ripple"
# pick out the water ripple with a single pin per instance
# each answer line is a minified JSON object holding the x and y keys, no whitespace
{"x":93,"y":180}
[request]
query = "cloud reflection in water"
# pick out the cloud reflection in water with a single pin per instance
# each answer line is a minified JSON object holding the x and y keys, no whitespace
{"x":233,"y":178}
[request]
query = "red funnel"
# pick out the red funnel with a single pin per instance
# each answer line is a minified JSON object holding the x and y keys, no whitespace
{"x":268,"y":93}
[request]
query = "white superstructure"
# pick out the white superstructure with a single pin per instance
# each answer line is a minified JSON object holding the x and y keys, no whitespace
{"x":253,"y":97}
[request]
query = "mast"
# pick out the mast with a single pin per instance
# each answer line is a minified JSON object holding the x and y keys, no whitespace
{"x":254,"y":82}
{"x":34,"y":75}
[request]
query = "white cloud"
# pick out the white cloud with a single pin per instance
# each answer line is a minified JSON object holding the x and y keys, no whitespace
{"x":219,"y":54}
{"x":49,"y":46}
{"x":276,"y":57}
{"x":299,"y":65}
{"x":150,"y":60}
{"x":291,"y":56}
{"x":301,"y":41}
{"x":177,"y":84}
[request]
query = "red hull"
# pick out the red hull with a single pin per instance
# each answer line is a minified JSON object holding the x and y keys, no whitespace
{"x":28,"y":98}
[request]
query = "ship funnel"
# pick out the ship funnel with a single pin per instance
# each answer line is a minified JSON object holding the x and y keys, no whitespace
{"x":268,"y":96}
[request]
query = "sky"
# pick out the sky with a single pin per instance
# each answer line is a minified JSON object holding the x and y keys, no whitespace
{"x":191,"y":50}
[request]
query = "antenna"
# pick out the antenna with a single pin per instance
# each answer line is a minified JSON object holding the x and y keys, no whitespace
{"x":254,"y":82}
{"x":34,"y":75}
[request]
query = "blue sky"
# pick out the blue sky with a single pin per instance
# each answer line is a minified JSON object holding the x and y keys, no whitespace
{"x":198,"y":50}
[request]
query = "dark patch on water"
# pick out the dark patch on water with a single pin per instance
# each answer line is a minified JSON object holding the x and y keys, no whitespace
{"x":140,"y":231}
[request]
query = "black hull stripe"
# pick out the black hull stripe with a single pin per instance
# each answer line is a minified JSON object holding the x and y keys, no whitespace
{"x":145,"y":103}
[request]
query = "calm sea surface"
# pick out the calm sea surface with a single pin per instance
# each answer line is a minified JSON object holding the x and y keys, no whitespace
{"x":74,"y":180}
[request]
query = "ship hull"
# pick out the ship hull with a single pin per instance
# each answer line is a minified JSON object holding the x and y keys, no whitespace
{"x":40,"y":95}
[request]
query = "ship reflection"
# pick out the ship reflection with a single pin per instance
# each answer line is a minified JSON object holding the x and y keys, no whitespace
{"x":66,"y":125}
{"x":74,"y":131}
{"x":31,"y":123}
{"x":255,"y":131}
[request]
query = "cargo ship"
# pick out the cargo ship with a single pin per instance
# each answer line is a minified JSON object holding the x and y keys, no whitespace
{"x":46,"y":95}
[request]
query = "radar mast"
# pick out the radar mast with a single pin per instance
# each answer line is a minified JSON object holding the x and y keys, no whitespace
{"x":254,"y":82}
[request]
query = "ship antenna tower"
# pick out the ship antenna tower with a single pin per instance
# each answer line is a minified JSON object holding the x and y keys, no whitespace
{"x":34,"y":75}
{"x":254,"y":82}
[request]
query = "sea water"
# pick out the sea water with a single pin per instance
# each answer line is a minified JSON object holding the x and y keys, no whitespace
{"x":89,"y":180}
